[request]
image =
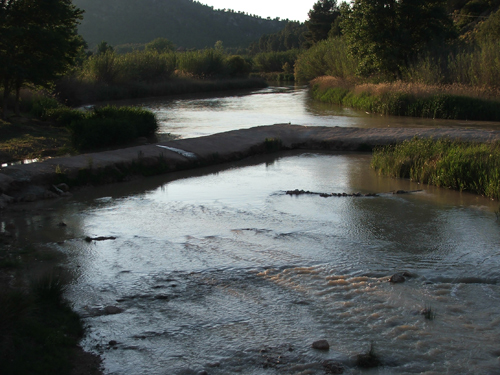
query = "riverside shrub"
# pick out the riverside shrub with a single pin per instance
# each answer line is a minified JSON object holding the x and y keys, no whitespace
{"x":464,"y":166}
{"x":111,"y":126}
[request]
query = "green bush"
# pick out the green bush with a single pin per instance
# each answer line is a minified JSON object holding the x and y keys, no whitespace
{"x":63,"y":116}
{"x":238,"y":67}
{"x":268,"y":62}
{"x":209,"y":63}
{"x":111,"y":126}
{"x":40,"y":104}
{"x":329,"y":57}
{"x":145,"y":66}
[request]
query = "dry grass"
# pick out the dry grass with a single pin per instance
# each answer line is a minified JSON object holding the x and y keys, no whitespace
{"x":418,"y":90}
{"x":326,"y":82}
{"x":422,"y":90}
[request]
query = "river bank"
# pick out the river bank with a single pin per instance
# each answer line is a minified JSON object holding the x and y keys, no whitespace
{"x":456,"y":102}
{"x":31,"y":182}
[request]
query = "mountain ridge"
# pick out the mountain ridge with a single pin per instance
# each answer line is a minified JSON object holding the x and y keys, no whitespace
{"x":186,"y":23}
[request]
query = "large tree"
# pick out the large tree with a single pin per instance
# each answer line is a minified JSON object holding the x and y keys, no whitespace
{"x":322,"y":21}
{"x":38,"y":42}
{"x":385,"y":35}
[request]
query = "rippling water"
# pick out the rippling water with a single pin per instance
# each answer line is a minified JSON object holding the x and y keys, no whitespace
{"x":222,"y":271}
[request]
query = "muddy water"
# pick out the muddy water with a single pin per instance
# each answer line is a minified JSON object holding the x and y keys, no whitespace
{"x":204,"y":115}
{"x":222,"y":271}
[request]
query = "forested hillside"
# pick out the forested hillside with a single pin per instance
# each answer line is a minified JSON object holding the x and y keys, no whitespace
{"x":187,"y":23}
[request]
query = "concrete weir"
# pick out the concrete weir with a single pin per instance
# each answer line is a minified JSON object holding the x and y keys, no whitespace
{"x":30,"y":182}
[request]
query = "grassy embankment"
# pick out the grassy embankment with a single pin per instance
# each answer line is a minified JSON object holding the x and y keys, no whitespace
{"x":458,"y":165}
{"x":465,"y":86}
{"x":39,"y":332}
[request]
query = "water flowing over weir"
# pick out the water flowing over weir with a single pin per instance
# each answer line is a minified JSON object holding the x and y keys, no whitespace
{"x":219,"y":270}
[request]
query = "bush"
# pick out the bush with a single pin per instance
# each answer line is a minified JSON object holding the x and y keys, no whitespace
{"x":145,"y":66}
{"x":268,"y":62}
{"x":209,"y":63}
{"x":238,"y":67}
{"x":329,"y":57}
{"x":40,"y":104}
{"x":63,"y":116}
{"x":112,"y":126}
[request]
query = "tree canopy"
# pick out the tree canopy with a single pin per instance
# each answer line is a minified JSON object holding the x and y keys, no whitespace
{"x":322,"y":21}
{"x":38,"y":42}
{"x":385,"y":35}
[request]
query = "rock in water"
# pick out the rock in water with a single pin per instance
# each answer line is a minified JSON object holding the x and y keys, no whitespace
{"x":321,"y":345}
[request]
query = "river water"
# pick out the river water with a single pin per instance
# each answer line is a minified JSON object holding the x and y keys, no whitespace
{"x":198,"y":115}
{"x":219,"y":270}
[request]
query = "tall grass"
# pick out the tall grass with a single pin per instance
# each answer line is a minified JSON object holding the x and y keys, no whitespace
{"x":409,"y":99}
{"x":326,"y":58}
{"x":209,"y":63}
{"x":145,"y":66}
{"x":457,"y":165}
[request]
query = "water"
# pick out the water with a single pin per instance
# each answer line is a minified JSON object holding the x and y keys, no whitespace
{"x":220,"y":270}
{"x":194,"y":116}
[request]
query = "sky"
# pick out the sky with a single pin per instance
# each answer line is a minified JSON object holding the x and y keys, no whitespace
{"x":293,"y":10}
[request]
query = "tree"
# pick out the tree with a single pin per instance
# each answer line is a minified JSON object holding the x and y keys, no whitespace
{"x":386,"y":35}
{"x":160,"y":45}
{"x":38,"y":43}
{"x":104,"y":47}
{"x":323,"y":20}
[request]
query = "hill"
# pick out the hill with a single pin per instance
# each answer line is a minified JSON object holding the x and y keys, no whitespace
{"x":187,"y":23}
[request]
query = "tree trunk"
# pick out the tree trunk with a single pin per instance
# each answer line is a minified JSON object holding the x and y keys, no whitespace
{"x":6,"y":92}
{"x":18,"y":99}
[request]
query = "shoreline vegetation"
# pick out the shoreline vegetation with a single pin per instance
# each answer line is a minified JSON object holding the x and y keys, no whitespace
{"x":454,"y":101}
{"x":39,"y":331}
{"x":458,"y":165}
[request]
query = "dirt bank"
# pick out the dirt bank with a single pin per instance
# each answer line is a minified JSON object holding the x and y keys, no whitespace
{"x":35,"y":181}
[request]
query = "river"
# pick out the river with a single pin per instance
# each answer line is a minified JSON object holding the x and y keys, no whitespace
{"x":219,"y":270}
{"x":190,"y":116}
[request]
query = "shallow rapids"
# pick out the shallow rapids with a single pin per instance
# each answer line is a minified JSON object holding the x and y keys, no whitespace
{"x":224,"y":272}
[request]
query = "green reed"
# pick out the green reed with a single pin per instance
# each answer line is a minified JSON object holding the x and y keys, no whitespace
{"x":463,"y":166}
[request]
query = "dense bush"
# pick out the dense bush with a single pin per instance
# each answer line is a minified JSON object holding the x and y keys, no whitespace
{"x":208,"y":63}
{"x":462,"y":166}
{"x":238,"y":67}
{"x":329,"y":57}
{"x":111,"y":126}
{"x":145,"y":66}
{"x":268,"y":62}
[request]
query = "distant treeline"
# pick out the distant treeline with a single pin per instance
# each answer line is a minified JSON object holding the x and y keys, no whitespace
{"x":187,"y":23}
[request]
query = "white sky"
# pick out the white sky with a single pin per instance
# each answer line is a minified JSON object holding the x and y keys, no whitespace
{"x":294,"y":10}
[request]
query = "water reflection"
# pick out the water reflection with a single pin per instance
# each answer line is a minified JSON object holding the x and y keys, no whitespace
{"x":194,"y":116}
{"x":215,"y":267}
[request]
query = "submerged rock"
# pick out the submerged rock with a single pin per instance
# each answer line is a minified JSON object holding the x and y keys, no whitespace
{"x":112,"y":310}
{"x":332,"y":367}
{"x":321,"y":345}
{"x":397,"y":278}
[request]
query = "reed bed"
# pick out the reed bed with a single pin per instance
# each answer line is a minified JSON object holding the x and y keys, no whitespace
{"x":453,"y":101}
{"x":463,"y":166}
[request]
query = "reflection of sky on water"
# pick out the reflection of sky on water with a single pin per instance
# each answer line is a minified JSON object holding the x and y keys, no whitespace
{"x":197,"y":116}
{"x":214,"y":264}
